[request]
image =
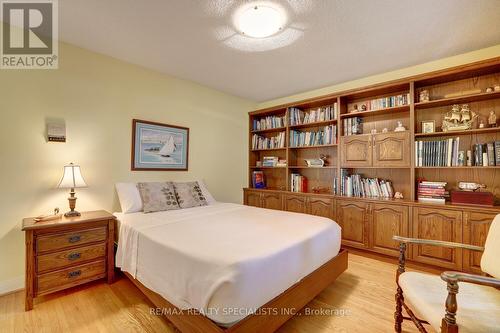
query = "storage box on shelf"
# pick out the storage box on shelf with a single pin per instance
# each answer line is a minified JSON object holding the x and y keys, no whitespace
{"x":373,"y":149}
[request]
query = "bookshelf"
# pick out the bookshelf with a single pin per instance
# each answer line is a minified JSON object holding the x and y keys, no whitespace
{"x":390,"y":155}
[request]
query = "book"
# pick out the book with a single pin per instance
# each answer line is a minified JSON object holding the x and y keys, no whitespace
{"x":357,"y":186}
{"x":490,"y":152}
{"x":325,"y":113}
{"x":324,"y":136}
{"x":269,"y":122}
{"x":258,"y":179}
{"x":497,"y":152}
{"x":298,"y":183}
{"x":262,"y":142}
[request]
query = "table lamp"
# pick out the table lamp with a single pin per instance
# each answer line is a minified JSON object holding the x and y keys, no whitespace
{"x":72,"y":178}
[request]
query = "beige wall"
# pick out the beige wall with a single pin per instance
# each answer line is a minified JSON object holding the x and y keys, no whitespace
{"x":457,"y":60}
{"x":98,"y":96}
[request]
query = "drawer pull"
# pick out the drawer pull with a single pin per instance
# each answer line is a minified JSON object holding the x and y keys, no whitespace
{"x":74,"y":274}
{"x":75,"y":239}
{"x":74,"y":256}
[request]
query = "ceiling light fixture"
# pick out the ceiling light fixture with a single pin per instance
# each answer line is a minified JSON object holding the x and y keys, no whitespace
{"x":260,"y":20}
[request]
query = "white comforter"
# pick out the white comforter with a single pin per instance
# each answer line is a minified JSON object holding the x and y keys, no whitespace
{"x":225,"y":260}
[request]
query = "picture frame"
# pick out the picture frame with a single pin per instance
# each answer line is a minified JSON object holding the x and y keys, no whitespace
{"x":428,"y":126}
{"x":159,"y":147}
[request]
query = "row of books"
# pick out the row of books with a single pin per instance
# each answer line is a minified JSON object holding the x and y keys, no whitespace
{"x":445,"y":152}
{"x":298,"y":183}
{"x":387,"y":102}
{"x":269,"y":122}
{"x":353,"y":126}
{"x":299,"y":117}
{"x":486,"y":154}
{"x":432,"y":192}
{"x":273,"y":161}
{"x":325,"y":136}
{"x":438,"y":153}
{"x":356,"y":185}
{"x":262,"y":142}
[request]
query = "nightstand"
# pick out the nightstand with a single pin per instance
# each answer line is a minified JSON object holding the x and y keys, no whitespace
{"x":67,"y":252}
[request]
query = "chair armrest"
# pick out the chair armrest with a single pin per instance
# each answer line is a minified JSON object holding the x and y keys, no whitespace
{"x":451,"y":276}
{"x":407,"y":240}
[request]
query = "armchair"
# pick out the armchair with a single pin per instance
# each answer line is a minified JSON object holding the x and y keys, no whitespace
{"x":429,"y":299}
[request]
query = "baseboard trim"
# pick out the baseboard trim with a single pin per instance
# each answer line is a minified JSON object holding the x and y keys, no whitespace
{"x":11,"y":285}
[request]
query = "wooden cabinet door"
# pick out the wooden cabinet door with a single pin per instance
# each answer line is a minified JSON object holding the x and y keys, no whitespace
{"x":387,"y":221}
{"x":391,"y":149}
{"x":353,"y":218}
{"x":321,"y":207}
{"x":272,"y":201}
{"x":295,"y":203}
{"x":476,"y":226}
{"x":253,"y":198}
{"x":356,"y":151}
{"x":437,"y":224}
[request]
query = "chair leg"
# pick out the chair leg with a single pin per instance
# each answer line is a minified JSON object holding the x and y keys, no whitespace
{"x":398,"y":315}
{"x":449,"y":323}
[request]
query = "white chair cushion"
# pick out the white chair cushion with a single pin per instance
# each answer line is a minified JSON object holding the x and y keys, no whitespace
{"x":478,"y":306}
{"x":490,"y":260}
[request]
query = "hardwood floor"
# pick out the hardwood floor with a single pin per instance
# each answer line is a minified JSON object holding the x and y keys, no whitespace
{"x":363,"y":297}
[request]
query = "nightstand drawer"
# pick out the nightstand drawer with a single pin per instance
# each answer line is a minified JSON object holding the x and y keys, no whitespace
{"x":57,"y":260}
{"x":64,"y":240}
{"x":70,"y":277}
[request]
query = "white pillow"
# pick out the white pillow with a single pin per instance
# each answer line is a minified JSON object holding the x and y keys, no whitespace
{"x":210,"y":199}
{"x":130,"y":198}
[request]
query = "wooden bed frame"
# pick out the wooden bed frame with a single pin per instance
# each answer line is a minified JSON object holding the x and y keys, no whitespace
{"x":295,"y":298}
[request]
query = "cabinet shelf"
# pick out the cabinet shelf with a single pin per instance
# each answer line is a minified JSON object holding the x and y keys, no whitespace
{"x":312,"y":168}
{"x":395,"y":109}
{"x":319,"y":146}
{"x":315,"y":124}
{"x":455,"y":133}
{"x":268,"y":130}
{"x":268,"y":149}
{"x":266,"y":167}
{"x":457,"y":100}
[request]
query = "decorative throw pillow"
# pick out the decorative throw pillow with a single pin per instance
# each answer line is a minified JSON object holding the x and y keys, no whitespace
{"x":157,"y":197}
{"x":189,"y":194}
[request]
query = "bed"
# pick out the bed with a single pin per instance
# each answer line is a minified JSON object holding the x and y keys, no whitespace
{"x":216,"y":268}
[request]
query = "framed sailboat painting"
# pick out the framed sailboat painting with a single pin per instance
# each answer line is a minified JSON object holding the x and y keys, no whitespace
{"x":158,"y":147}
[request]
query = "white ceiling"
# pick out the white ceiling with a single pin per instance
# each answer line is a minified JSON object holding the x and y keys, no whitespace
{"x":325,"y":42}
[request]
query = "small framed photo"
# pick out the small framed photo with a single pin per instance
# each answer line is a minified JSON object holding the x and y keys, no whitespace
{"x":158,"y":146}
{"x":428,"y":126}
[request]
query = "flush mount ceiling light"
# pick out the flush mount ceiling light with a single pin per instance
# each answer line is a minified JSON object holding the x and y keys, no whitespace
{"x":260,"y":20}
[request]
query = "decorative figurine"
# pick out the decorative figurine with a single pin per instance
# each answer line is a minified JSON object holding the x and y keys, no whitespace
{"x":424,"y":96}
{"x":398,"y":195}
{"x":466,"y":186}
{"x":316,"y":162}
{"x":385,"y":130}
{"x":461,"y":158}
{"x":492,"y":119}
{"x":363,"y":107}
{"x":489,"y":89}
{"x":458,"y":119}
{"x":481,"y":124}
{"x":496,"y":87}
{"x":400,"y":127}
{"x":373,"y":131}
{"x":355,"y":106}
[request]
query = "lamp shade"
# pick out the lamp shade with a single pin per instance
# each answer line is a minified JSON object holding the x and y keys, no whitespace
{"x":72,"y":177}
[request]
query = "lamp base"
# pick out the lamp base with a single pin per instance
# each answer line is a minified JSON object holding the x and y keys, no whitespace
{"x":72,"y":213}
{"x":72,"y":205}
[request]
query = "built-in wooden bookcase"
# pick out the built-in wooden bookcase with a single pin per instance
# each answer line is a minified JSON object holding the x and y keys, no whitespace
{"x":379,"y":151}
{"x":368,"y":224}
